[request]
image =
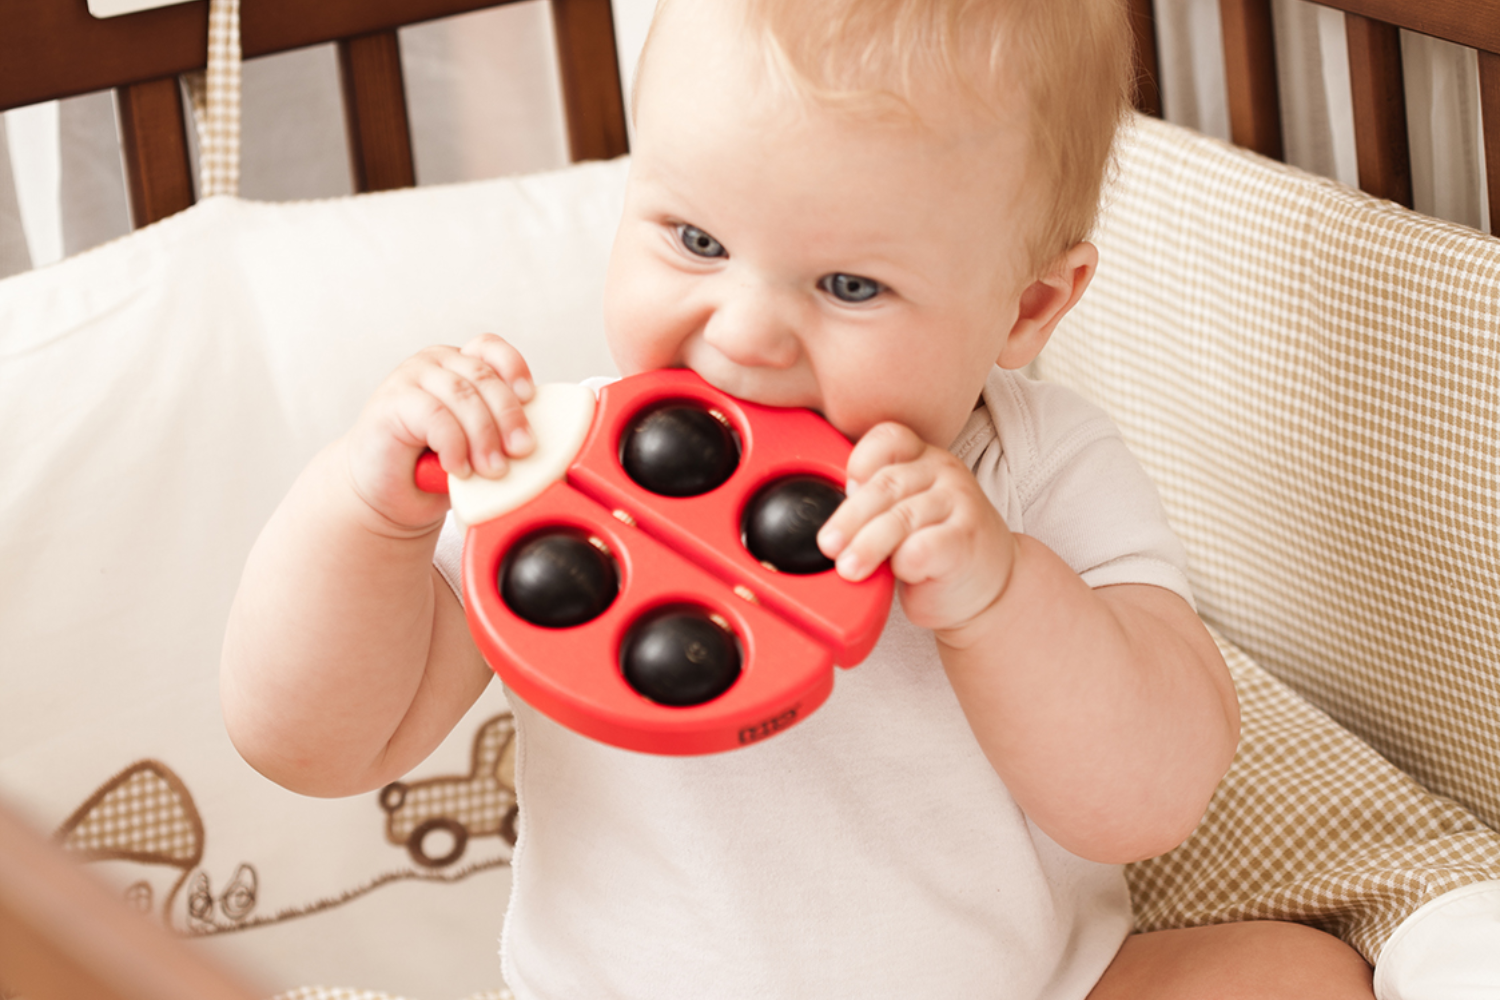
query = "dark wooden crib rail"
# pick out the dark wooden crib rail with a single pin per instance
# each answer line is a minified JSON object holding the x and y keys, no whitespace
{"x":1373,"y":28}
{"x":54,"y":48}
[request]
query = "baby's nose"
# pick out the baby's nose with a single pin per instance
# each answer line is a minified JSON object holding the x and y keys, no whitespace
{"x":750,"y":328}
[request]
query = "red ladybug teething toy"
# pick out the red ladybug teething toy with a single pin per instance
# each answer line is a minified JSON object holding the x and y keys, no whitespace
{"x":649,"y":575}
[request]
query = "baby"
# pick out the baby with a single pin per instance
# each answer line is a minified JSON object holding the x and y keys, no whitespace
{"x":876,"y":210}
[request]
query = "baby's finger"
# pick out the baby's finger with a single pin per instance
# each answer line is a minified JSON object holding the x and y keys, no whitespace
{"x":505,"y":381}
{"x":884,"y":444}
{"x":505,"y":406}
{"x":455,"y":386}
{"x":872,"y":486}
{"x":857,"y":510}
{"x":505,"y":359}
{"x":883,"y":535}
{"x":933,"y":551}
{"x":431,"y":422}
{"x":887,"y":487}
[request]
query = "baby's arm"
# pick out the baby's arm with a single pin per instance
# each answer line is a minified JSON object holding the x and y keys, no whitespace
{"x":1109,"y":713}
{"x":347,"y":658}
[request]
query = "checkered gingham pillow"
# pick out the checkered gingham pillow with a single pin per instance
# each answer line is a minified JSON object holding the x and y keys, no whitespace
{"x":1314,"y":826}
{"x":1312,"y":378}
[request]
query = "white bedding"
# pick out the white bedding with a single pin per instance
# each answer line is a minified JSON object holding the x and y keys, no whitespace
{"x":157,"y":396}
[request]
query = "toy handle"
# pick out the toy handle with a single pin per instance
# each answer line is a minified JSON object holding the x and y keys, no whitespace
{"x":429,"y":475}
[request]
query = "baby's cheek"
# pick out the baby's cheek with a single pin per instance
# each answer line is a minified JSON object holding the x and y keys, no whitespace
{"x":645,"y":332}
{"x":627,"y":331}
{"x":638,"y":319}
{"x":617,"y":304}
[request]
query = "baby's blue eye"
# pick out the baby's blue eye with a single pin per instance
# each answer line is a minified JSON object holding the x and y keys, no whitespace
{"x":700,"y":243}
{"x":850,"y":287}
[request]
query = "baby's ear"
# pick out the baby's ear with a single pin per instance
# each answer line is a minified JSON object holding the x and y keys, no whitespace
{"x":1046,"y":301}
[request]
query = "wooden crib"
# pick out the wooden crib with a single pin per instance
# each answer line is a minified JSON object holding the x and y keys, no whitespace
{"x":51,"y":50}
{"x":55,"y":48}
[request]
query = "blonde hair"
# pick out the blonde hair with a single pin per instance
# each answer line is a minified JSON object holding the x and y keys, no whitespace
{"x":1070,"y":60}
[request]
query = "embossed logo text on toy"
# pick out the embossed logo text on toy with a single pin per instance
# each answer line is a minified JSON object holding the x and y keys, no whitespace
{"x":770,"y":727}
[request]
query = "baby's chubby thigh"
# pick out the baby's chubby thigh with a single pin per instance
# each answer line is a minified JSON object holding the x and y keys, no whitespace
{"x":1254,"y":960}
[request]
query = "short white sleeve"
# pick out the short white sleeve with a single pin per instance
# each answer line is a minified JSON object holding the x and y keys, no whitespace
{"x":1058,"y":470}
{"x":449,"y":555}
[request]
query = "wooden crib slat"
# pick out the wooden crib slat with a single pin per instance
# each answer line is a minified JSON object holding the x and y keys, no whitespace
{"x":1250,"y":72}
{"x":590,"y":71}
{"x":1379,"y":95}
{"x":1489,"y":104}
{"x":154,"y":144}
{"x":375,"y":117}
{"x":1147,"y":68}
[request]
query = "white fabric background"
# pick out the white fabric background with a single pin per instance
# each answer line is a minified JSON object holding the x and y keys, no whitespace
{"x":159,"y":394}
{"x":485,"y":103}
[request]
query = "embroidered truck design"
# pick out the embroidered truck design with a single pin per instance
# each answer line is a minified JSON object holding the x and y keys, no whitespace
{"x":434,"y":818}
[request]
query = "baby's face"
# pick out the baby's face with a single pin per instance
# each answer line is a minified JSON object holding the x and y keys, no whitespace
{"x":794,"y":256}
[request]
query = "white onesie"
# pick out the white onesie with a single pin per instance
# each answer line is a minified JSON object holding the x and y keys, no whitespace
{"x":868,"y":852}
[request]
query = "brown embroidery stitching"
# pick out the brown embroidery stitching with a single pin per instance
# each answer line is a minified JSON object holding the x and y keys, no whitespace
{"x":292,"y":913}
{"x":200,"y":900}
{"x":238,"y":898}
{"x":434,"y":818}
{"x":145,"y":813}
{"x":235,"y":903}
{"x":140,"y":895}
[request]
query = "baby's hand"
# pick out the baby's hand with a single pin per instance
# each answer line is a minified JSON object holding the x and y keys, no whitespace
{"x":464,"y":404}
{"x":919,"y":507}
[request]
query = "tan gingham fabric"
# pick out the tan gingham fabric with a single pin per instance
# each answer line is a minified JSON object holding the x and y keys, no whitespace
{"x":215,"y":96}
{"x":1312,"y":825}
{"x":479,"y":803}
{"x":143,"y":813}
{"x":1312,"y":377}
